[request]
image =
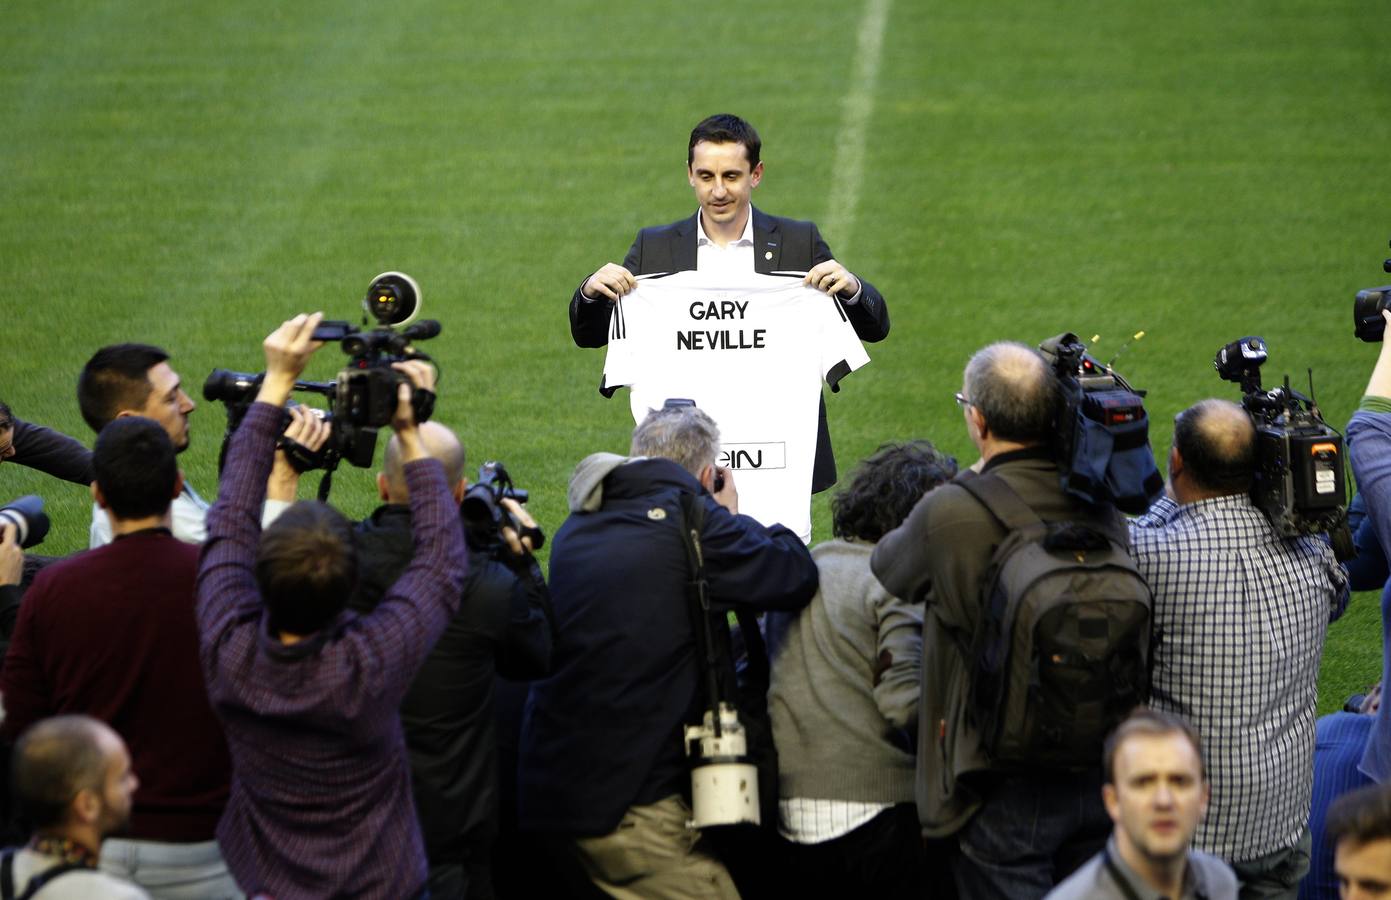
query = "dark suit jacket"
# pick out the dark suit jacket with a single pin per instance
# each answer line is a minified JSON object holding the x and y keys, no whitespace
{"x":778,"y":245}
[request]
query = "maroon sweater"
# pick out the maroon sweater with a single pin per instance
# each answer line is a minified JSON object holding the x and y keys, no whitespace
{"x":110,"y":633}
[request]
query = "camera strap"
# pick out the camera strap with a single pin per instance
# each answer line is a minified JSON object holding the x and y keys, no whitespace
{"x":698,"y":597}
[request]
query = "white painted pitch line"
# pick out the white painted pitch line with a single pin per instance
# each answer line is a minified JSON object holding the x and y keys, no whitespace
{"x":847,"y":174}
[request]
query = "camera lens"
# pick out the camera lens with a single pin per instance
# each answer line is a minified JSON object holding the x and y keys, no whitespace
{"x":393,"y":298}
{"x":27,"y":516}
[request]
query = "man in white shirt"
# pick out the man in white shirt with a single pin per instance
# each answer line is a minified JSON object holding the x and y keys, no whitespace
{"x":136,"y":380}
{"x":727,"y":234}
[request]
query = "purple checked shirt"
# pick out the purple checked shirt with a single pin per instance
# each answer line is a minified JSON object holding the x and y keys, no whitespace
{"x":321,"y":801}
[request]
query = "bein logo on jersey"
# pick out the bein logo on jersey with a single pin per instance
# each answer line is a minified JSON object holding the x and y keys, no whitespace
{"x":753,"y":456}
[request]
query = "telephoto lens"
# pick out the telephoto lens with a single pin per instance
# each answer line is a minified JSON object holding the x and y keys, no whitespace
{"x":27,"y":516}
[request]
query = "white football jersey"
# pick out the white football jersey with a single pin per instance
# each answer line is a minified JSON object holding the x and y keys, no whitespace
{"x":752,"y":352}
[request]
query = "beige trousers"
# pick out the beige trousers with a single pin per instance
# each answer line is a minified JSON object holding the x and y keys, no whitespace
{"x":652,"y":855}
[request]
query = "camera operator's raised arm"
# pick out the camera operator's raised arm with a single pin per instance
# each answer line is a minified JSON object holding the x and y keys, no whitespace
{"x":302,"y":684}
{"x":288,"y":349}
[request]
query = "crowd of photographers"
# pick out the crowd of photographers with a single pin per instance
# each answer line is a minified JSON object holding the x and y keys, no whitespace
{"x":258,"y":697}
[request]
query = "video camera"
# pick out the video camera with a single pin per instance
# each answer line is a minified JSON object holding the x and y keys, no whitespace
{"x":363,"y":397}
{"x":1102,"y":430}
{"x":1367,"y":322}
{"x":482,"y":511}
{"x":1300,"y":480}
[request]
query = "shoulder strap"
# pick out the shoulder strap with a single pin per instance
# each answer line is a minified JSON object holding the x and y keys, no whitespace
{"x":37,"y":883}
{"x":1001,"y":500}
{"x":41,"y":880}
{"x":698,"y":593}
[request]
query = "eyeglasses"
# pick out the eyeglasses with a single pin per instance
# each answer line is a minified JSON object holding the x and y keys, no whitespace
{"x":961,"y":400}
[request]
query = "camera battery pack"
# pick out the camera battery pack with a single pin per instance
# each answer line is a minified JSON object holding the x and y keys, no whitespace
{"x":1319,"y":478}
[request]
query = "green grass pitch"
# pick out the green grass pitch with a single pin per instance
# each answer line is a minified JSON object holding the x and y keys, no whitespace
{"x":190,"y":174}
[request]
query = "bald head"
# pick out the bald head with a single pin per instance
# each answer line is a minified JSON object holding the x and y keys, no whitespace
{"x":54,"y":759}
{"x":1216,"y":444}
{"x":1015,"y":391}
{"x":440,"y":443}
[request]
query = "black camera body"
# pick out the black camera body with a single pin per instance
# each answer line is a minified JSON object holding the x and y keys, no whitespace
{"x":482,"y":511}
{"x":363,"y":397}
{"x":1367,"y":321}
{"x":1300,"y":480}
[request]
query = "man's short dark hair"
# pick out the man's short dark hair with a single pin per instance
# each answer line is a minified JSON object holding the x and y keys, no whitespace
{"x":6,"y":416}
{"x":134,"y":464}
{"x":1218,"y":444}
{"x":54,"y":760}
{"x":1151,"y":723}
{"x":1015,"y":390}
{"x":1360,"y":816}
{"x":116,"y":378}
{"x":886,"y":487}
{"x":726,"y":129}
{"x":306,"y":567}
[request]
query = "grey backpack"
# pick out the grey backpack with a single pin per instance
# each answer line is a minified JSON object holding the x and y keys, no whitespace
{"x":1062,"y":652}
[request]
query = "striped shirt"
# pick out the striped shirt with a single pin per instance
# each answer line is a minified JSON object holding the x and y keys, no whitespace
{"x":1240,"y":616}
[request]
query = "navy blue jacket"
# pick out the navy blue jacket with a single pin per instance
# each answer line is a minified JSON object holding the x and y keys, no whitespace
{"x":604,"y":731}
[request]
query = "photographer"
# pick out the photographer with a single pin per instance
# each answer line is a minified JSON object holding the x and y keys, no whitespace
{"x":309,"y":693}
{"x":11,"y":576}
{"x":1020,"y":828}
{"x":1369,"y":446}
{"x":44,"y":449}
{"x":503,"y":626}
{"x":52,"y":453}
{"x":1240,"y":614}
{"x":136,"y":380}
{"x":602,"y":769}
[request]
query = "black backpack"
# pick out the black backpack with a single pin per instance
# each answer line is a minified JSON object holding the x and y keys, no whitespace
{"x":1063,"y":648}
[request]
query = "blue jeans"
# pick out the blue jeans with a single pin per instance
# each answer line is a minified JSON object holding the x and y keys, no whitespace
{"x":1031,"y":832}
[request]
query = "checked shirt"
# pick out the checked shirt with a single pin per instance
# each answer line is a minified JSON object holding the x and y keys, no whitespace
{"x":1240,"y":616}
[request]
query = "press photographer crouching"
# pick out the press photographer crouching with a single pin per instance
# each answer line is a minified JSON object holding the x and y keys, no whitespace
{"x":308,"y":692}
{"x":44,"y":450}
{"x":503,"y":627}
{"x":23,"y":524}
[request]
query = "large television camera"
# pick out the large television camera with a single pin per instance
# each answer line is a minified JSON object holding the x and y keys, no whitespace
{"x":1300,"y":480}
{"x":362,"y":398}
{"x":1102,"y":431}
